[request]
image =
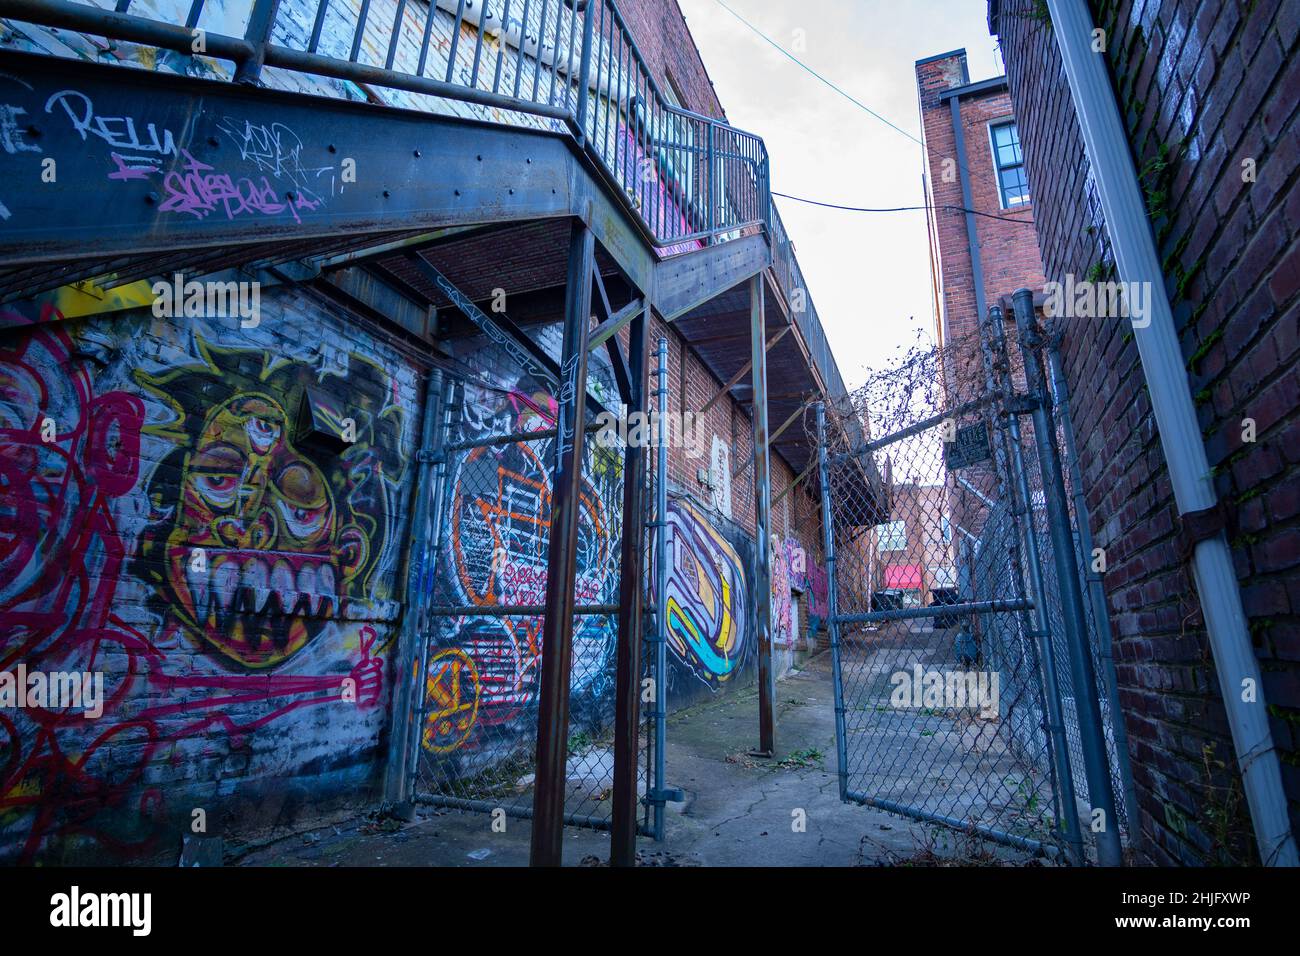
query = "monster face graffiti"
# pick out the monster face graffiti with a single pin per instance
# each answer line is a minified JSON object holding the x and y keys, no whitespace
{"x":264,"y":545}
{"x":264,"y":520}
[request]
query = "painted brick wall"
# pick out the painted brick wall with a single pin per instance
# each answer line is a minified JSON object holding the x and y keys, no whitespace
{"x":234,"y":579}
{"x":1203,"y":88}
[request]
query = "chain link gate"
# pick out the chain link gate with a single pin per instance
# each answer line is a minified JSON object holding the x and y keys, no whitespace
{"x":481,"y":648}
{"x":954,"y":677}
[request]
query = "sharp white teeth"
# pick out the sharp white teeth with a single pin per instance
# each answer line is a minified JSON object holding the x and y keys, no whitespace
{"x":225,"y":581}
{"x":282,"y":585}
{"x":325,"y":580}
{"x":199,"y":591}
{"x":256,"y":577}
{"x":307,"y":585}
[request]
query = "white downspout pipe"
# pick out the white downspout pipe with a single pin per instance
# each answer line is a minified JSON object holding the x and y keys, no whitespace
{"x":1180,"y":435}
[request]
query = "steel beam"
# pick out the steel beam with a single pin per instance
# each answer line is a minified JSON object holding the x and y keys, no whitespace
{"x":614,"y":324}
{"x":503,"y":332}
{"x":550,"y":781}
{"x":627,"y":684}
{"x":203,"y":163}
{"x":762,"y":523}
{"x":744,"y":370}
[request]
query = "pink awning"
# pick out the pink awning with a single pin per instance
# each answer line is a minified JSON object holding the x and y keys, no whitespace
{"x":903,"y":576}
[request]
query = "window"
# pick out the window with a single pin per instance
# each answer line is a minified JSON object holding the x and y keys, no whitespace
{"x":893,"y":536}
{"x":1013,"y":186}
{"x":947,"y":531}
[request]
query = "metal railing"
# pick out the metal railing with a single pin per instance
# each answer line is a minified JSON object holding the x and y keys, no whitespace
{"x":689,"y":179}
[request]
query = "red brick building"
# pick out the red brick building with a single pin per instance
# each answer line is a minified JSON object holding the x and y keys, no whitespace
{"x":973,"y":161}
{"x":1209,"y":96}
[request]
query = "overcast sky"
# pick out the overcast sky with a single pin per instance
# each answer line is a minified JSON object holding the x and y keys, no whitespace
{"x":868,"y":273}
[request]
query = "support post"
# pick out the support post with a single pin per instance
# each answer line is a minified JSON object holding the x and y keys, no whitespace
{"x":1092,"y":733}
{"x":762,"y":522}
{"x":561,"y":559}
{"x":627,"y":693}
{"x":661,"y":590}
{"x":832,"y":604}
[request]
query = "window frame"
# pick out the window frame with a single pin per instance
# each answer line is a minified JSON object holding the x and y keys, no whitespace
{"x":998,"y":168}
{"x":885,"y":536}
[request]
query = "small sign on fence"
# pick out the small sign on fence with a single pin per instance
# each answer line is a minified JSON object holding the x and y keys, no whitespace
{"x":970,"y":447}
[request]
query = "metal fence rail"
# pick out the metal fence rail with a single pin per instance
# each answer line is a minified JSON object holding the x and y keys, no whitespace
{"x":572,"y":64}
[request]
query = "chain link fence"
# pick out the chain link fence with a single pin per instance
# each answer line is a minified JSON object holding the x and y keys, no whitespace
{"x":483,"y":661}
{"x":954,"y":708}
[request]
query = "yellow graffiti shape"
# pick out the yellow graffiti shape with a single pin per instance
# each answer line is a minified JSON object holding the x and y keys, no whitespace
{"x":452,"y":689}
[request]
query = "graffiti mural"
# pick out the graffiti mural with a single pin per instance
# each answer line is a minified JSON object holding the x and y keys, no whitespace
{"x":172,"y":517}
{"x":782,"y":613}
{"x":708,"y":601}
{"x":493,"y":553}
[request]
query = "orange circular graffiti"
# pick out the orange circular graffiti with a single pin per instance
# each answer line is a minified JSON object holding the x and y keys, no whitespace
{"x":451,"y":687}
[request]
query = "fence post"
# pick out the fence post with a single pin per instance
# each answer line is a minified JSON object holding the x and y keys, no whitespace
{"x":1096,"y":590}
{"x":561,"y":558}
{"x":627,"y":694}
{"x":1092,"y":735}
{"x":832,"y":603}
{"x":1022,"y":507}
{"x":260,"y":23}
{"x":419,"y":547}
{"x":438,"y":512}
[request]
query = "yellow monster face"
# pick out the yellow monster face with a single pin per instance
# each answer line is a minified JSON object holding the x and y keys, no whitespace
{"x":257,"y":556}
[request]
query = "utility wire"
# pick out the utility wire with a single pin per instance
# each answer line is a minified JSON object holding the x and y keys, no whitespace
{"x":790,"y":56}
{"x":947,"y":208}
{"x":856,"y":102}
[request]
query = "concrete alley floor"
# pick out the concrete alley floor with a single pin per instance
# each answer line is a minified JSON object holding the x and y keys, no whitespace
{"x":739,"y":810}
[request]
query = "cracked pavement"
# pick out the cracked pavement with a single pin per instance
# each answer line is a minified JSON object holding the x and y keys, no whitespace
{"x":739,"y":810}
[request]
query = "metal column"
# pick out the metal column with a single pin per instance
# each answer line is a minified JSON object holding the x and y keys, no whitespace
{"x":1092,"y":735}
{"x":627,"y":695}
{"x":762,"y":521}
{"x":561,"y":562}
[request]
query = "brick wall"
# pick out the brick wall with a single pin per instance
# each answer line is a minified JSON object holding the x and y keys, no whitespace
{"x":231,"y":572}
{"x":669,"y":50}
{"x":1203,"y":88}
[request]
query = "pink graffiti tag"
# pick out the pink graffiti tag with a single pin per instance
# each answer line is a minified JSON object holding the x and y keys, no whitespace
{"x":199,"y":189}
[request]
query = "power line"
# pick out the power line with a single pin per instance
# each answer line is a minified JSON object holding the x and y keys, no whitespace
{"x":946,"y":207}
{"x":790,"y":56}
